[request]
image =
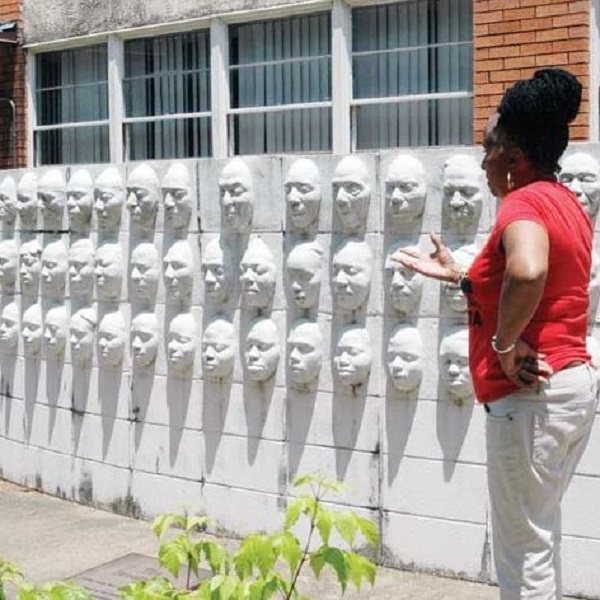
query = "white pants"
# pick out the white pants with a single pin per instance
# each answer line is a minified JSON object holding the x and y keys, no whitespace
{"x":534,"y":442}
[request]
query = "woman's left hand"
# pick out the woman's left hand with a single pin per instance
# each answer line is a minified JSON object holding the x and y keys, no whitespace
{"x":524,"y":366}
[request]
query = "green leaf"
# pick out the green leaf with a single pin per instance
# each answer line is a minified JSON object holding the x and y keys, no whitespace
{"x":255,"y":551}
{"x":196,"y":524}
{"x":292,"y":513}
{"x":153,"y":589}
{"x":173,"y":555}
{"x":360,"y":568}
{"x":324,"y":523}
{"x":217,"y":557}
{"x":162,"y":523}
{"x":336,"y":559}
{"x":289,"y":548}
{"x":346,"y":525}
{"x":369,"y":530}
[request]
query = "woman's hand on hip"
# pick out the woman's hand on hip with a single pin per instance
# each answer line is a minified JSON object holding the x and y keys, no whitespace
{"x":524,"y":366}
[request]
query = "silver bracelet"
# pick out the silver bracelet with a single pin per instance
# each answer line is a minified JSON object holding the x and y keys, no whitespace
{"x":501,"y":351}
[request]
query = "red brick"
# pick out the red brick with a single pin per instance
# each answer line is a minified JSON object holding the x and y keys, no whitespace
{"x":549,"y":10}
{"x":488,"y":17}
{"x":552,"y":60}
{"x":504,"y":76}
{"x":568,"y":20}
{"x":535,"y":49}
{"x":520,"y":38}
{"x":481,"y":30}
{"x":504,"y":27}
{"x":504,"y":51}
{"x":552,"y":34}
{"x":576,"y":45}
{"x":490,"y":40}
{"x":518,"y":14}
{"x":491,"y":65}
{"x":579,"y":32}
{"x":581,"y":6}
{"x":480,"y":6}
{"x":502,"y":4}
{"x":536,"y":24}
{"x":579,"y":57}
{"x":519,"y":62}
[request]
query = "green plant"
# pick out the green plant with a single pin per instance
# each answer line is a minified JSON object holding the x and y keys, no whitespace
{"x":59,"y":590}
{"x":264,"y":566}
{"x":9,"y":574}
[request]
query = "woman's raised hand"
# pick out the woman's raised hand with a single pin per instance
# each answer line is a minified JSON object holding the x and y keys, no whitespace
{"x":439,"y":264}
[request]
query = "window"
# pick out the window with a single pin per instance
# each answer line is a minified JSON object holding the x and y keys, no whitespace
{"x":413,"y":74}
{"x":167,"y":96}
{"x":280,"y":85}
{"x":72,"y":106}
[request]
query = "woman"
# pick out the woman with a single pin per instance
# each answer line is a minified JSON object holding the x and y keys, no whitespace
{"x":528,"y":306}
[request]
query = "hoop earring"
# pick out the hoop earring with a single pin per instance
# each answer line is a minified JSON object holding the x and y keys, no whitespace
{"x":509,"y":181}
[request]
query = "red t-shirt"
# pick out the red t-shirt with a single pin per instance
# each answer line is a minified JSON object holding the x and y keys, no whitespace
{"x":559,"y":326}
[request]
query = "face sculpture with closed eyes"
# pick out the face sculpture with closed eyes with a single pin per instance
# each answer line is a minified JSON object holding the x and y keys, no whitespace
{"x":177,"y":197}
{"x":9,"y":329}
{"x":109,"y":197}
{"x":179,"y":271}
{"x":82,"y":262}
{"x":109,"y":271}
{"x":352,"y":268}
{"x":405,"y":353}
{"x":218,"y":349}
{"x":405,"y":190}
{"x":30,"y":264}
{"x":303,"y":194}
{"x":54,"y":269}
{"x":304,"y":273}
{"x":182,"y":340}
{"x":142,"y":197}
{"x":304,"y":353}
{"x":352,"y":357}
{"x":351,"y":194}
{"x":32,"y":331}
{"x":261,"y":350}
{"x":236,"y":192}
{"x":56,"y":331}
{"x":462,"y":191}
{"x":52,"y":197}
{"x":257,"y":274}
{"x":403,"y":286}
{"x":82,"y":329}
{"x":111,"y":342}
{"x":217,"y":272}
{"x":145,"y":339}
{"x":451,"y":291}
{"x":144,"y":273}
{"x":27,"y":202}
{"x":9,"y":264}
{"x":454,"y":365}
{"x":580,"y":172}
{"x":80,"y":201}
{"x":8,"y":201}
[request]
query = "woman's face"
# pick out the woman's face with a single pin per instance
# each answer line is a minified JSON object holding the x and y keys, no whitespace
{"x":494,"y":159}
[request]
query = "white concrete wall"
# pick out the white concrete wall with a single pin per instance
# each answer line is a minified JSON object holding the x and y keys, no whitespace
{"x":146,"y":442}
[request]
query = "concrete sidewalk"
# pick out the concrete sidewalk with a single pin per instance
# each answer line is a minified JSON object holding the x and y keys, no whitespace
{"x":52,"y":539}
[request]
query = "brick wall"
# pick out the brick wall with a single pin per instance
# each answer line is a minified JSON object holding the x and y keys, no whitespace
{"x":513,"y":38}
{"x":12,"y":86}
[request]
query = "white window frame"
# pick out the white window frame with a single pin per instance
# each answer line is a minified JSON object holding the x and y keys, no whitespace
{"x":343,"y":105}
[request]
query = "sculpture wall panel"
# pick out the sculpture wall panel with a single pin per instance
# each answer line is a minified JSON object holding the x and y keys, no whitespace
{"x":203,"y":325}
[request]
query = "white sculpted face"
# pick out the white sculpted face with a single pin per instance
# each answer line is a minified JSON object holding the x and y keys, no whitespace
{"x":261,"y":350}
{"x":451,"y":292}
{"x":27,"y":202}
{"x":580,"y":172}
{"x":81,"y":268}
{"x":216,"y":272}
{"x":52,"y":196}
{"x":54,"y":270}
{"x":405,"y":190}
{"x":177,"y":197}
{"x":403,"y":286}
{"x":236,"y":192}
{"x":145,"y":339}
{"x":80,"y":200}
{"x":9,"y":329}
{"x":594,"y":287}
{"x":351,"y":193}
{"x":352,"y":267}
{"x":144,"y":273}
{"x":454,"y":365}
{"x":56,"y":330}
{"x":304,"y":273}
{"x":304,"y":352}
{"x":82,"y":330}
{"x":179,"y":270}
{"x":109,"y":197}
{"x":32,"y":331}
{"x":109,"y":271}
{"x":405,"y":353}
{"x":142,"y":196}
{"x":352,"y":357}
{"x":303,"y":194}
{"x":181,"y":344}
{"x":8,"y":200}
{"x":463,"y":191}
{"x":9,"y":263}
{"x":218,"y":349}
{"x":112,"y":340}
{"x":257,"y":274}
{"x":30,"y":265}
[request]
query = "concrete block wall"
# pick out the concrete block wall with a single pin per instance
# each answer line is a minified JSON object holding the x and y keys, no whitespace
{"x":144,"y":441}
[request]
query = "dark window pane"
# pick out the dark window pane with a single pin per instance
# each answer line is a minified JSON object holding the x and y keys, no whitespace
{"x":72,"y":145}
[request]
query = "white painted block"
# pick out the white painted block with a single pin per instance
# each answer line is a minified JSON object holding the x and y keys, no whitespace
{"x":580,"y":560}
{"x":102,"y":439}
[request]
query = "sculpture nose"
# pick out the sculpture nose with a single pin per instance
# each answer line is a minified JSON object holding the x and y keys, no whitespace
{"x":457,"y":200}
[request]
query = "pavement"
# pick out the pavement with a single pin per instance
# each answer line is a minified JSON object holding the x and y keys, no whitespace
{"x":53,"y":539}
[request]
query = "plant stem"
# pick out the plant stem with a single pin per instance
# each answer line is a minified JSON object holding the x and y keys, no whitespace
{"x":313,"y":520}
{"x":189,"y":576}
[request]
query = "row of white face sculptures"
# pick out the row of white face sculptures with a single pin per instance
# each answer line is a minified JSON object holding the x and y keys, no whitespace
{"x":405,"y":192}
{"x":82,"y":264}
{"x":48,"y":334}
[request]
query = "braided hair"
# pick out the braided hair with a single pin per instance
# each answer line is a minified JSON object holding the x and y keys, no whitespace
{"x":535,"y":114}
